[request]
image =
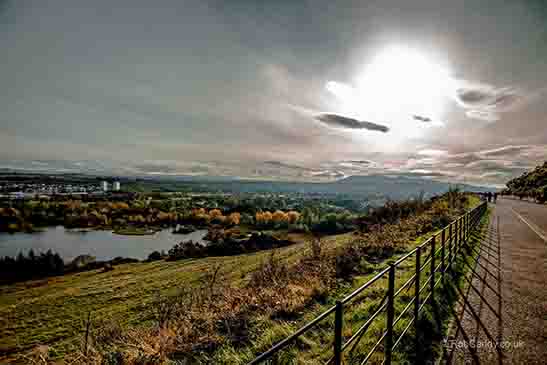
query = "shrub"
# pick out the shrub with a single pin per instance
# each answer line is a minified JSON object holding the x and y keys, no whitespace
{"x":155,"y":256}
{"x":271,"y":272}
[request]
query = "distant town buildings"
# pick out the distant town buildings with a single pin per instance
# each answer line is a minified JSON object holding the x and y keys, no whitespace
{"x":20,"y":190}
{"x":106,"y":186}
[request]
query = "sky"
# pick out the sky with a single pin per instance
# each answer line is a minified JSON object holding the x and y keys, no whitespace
{"x":294,"y":90}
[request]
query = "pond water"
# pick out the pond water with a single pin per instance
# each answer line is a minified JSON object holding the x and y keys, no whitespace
{"x":104,"y":245}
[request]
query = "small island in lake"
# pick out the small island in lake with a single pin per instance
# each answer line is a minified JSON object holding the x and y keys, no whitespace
{"x":184,"y":229}
{"x":134,"y":231}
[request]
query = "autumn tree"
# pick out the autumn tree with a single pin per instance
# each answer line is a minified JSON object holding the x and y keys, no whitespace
{"x":233,"y":219}
{"x":280,"y":218}
{"x":293,"y":217}
{"x":263,"y":218}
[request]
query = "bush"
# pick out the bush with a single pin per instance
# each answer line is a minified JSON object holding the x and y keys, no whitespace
{"x":347,"y":261}
{"x":223,"y":244}
{"x":155,"y":256}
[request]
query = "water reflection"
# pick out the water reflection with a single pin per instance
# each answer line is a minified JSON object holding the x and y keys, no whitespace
{"x":104,"y":245}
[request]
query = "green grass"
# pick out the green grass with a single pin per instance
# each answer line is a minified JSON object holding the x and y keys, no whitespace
{"x":316,"y":345}
{"x":52,"y":311}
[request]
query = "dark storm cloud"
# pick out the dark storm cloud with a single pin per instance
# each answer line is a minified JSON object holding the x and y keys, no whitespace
{"x":339,"y":121}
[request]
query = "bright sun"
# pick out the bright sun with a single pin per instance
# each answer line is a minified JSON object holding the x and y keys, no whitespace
{"x":398,"y":83}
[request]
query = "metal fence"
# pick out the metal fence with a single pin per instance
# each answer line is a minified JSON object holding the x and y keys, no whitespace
{"x":430,"y":261}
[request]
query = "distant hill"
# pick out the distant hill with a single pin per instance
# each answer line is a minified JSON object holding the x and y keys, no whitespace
{"x":369,"y":187}
{"x":531,"y":184}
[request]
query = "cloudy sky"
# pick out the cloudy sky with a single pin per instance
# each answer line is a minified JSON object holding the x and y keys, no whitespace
{"x":451,"y":90}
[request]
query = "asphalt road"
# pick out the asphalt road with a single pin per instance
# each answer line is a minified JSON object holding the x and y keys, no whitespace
{"x":503,"y":317}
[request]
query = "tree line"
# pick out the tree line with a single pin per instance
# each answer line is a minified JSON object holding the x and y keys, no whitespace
{"x":30,"y":266}
{"x":531,"y":184}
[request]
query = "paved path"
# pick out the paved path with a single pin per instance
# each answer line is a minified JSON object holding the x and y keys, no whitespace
{"x":503,"y":318}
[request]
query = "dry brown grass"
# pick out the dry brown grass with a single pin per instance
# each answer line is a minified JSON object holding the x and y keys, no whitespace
{"x":199,"y":321}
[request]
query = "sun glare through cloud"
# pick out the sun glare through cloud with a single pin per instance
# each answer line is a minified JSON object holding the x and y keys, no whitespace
{"x":396,"y":84}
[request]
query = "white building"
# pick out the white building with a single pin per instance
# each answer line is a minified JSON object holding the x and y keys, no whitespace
{"x":104,"y":185}
{"x":116,"y":186}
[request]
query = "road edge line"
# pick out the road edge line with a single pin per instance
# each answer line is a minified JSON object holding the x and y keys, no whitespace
{"x":536,"y":230}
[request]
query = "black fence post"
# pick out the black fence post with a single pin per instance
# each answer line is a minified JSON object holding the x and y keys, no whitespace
{"x":338,"y":318}
{"x":463,"y":230}
{"x":450,"y":244}
{"x":432,"y":283}
{"x":470,"y":226}
{"x":443,"y":238}
{"x":458,"y":233}
{"x":455,"y":249}
{"x":466,"y":232}
{"x":417,"y":302}
{"x":390,"y":314}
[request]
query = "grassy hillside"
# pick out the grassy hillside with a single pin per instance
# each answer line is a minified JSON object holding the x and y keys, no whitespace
{"x":52,"y":311}
{"x":532,"y":184}
{"x":125,"y":303}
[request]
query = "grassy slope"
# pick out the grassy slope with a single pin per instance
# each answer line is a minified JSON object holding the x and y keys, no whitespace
{"x":316,"y":346}
{"x":52,"y":311}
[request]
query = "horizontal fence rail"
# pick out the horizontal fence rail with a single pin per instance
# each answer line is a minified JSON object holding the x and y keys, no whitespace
{"x":429,"y":262}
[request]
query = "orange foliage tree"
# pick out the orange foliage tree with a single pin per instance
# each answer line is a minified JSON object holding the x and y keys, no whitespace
{"x":233,"y":219}
{"x":293,"y":216}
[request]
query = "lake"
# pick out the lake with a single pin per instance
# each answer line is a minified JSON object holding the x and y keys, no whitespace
{"x":104,"y":245}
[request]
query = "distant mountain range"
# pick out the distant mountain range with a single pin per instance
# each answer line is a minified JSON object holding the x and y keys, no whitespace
{"x":392,"y":186}
{"x":369,"y":187}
